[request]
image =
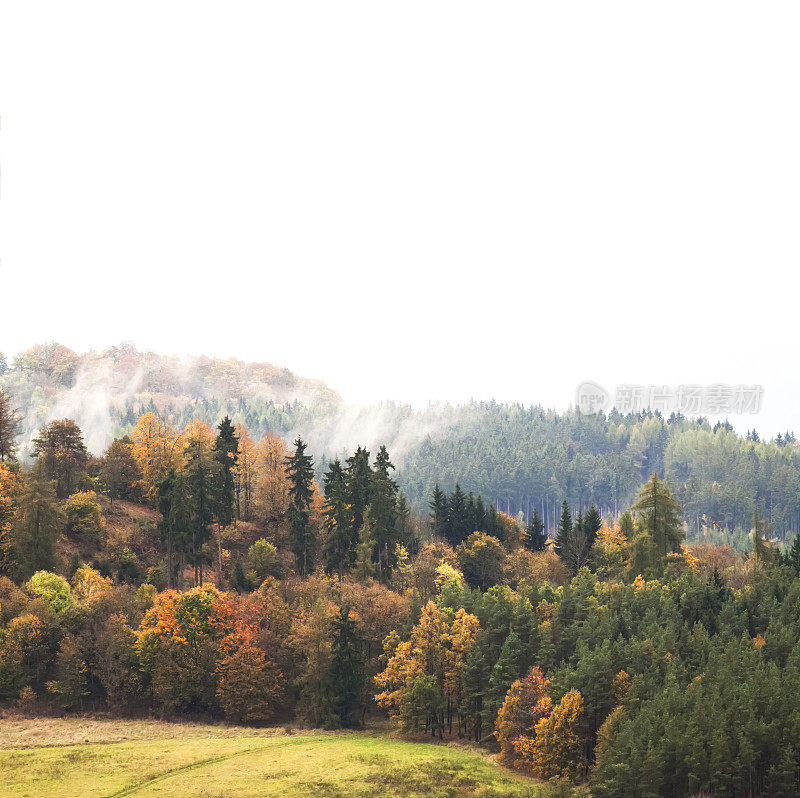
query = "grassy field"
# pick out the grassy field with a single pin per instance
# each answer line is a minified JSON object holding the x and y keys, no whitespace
{"x":94,"y":758}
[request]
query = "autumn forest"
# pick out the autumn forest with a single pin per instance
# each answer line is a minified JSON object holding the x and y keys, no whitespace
{"x":609,"y":604}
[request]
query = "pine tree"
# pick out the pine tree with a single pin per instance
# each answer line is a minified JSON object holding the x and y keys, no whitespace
{"x":564,"y":530}
{"x":346,"y":679}
{"x":339,"y":552}
{"x":300,"y":472}
{"x":535,"y":536}
{"x":37,"y":523}
{"x":591,"y":524}
{"x":660,"y":515}
{"x":357,"y":483}
{"x":793,"y":557}
{"x":383,"y":506}
{"x":201,"y":480}
{"x":475,"y":683}
{"x":458,"y":517}
{"x":439,"y":512}
{"x":226,"y":455}
{"x":509,"y":667}
{"x":63,"y":453}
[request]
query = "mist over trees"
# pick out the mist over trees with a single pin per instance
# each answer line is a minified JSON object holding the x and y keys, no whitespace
{"x":520,"y":459}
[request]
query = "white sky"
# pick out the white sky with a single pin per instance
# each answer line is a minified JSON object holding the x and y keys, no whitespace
{"x":417,"y":200}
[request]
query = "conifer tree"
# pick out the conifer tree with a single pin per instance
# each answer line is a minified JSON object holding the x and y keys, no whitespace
{"x":564,"y":530}
{"x":346,"y":679}
{"x":339,"y":552}
{"x":535,"y":536}
{"x":475,"y":685}
{"x":439,"y":512}
{"x":383,"y":506}
{"x":591,"y":524}
{"x":660,"y":515}
{"x":226,"y":455}
{"x":300,"y":472}
{"x":357,"y":482}
{"x":201,"y":480}
{"x":509,"y":667}
{"x":458,"y":517}
{"x":38,"y":521}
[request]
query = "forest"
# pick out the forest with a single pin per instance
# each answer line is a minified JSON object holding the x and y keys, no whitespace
{"x":518,"y":458}
{"x":213,"y":570}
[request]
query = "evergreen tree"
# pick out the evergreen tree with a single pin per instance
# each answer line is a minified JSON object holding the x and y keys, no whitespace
{"x":793,"y":557}
{"x":346,"y":679}
{"x":458,"y":517}
{"x":358,"y":476}
{"x":63,"y":453}
{"x":383,"y":506}
{"x":300,"y":472}
{"x":508,"y":668}
{"x":660,"y":515}
{"x":201,"y":480}
{"x":339,"y":552}
{"x":591,"y":524}
{"x":535,"y":536}
{"x":226,"y":455}
{"x":564,"y":531}
{"x":38,"y":522}
{"x":439,"y":512}
{"x":475,"y":683}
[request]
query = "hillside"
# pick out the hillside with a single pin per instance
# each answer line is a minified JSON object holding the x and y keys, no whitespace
{"x":519,"y":458}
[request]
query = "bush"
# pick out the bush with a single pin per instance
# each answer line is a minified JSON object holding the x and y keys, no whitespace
{"x":83,"y":516}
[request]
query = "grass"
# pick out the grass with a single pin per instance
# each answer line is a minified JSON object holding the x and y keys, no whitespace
{"x":94,"y":758}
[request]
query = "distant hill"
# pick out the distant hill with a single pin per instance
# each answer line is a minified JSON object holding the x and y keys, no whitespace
{"x":105,"y":391}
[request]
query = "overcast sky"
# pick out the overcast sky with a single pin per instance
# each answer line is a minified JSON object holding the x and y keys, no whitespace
{"x":416,"y":200}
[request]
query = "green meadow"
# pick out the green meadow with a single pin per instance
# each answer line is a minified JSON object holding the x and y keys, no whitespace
{"x":100,"y":759}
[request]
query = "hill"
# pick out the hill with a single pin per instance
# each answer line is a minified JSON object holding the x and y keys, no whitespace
{"x":519,"y":458}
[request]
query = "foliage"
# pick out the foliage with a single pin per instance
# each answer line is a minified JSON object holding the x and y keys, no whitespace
{"x":54,"y":589}
{"x":83,"y":516}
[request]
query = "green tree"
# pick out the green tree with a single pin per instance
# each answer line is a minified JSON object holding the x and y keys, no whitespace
{"x":300,"y":472}
{"x":660,"y":515}
{"x":535,"y":536}
{"x":358,"y":478}
{"x":339,"y":549}
{"x":346,"y":678}
{"x":119,"y":471}
{"x":38,"y":521}
{"x":439,"y":512}
{"x":509,"y":667}
{"x":63,"y":453}
{"x":591,"y":524}
{"x":383,"y":506}
{"x":564,"y":530}
{"x":226,"y":456}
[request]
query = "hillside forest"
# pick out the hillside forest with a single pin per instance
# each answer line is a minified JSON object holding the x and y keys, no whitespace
{"x":203,"y":570}
{"x":518,"y":458}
